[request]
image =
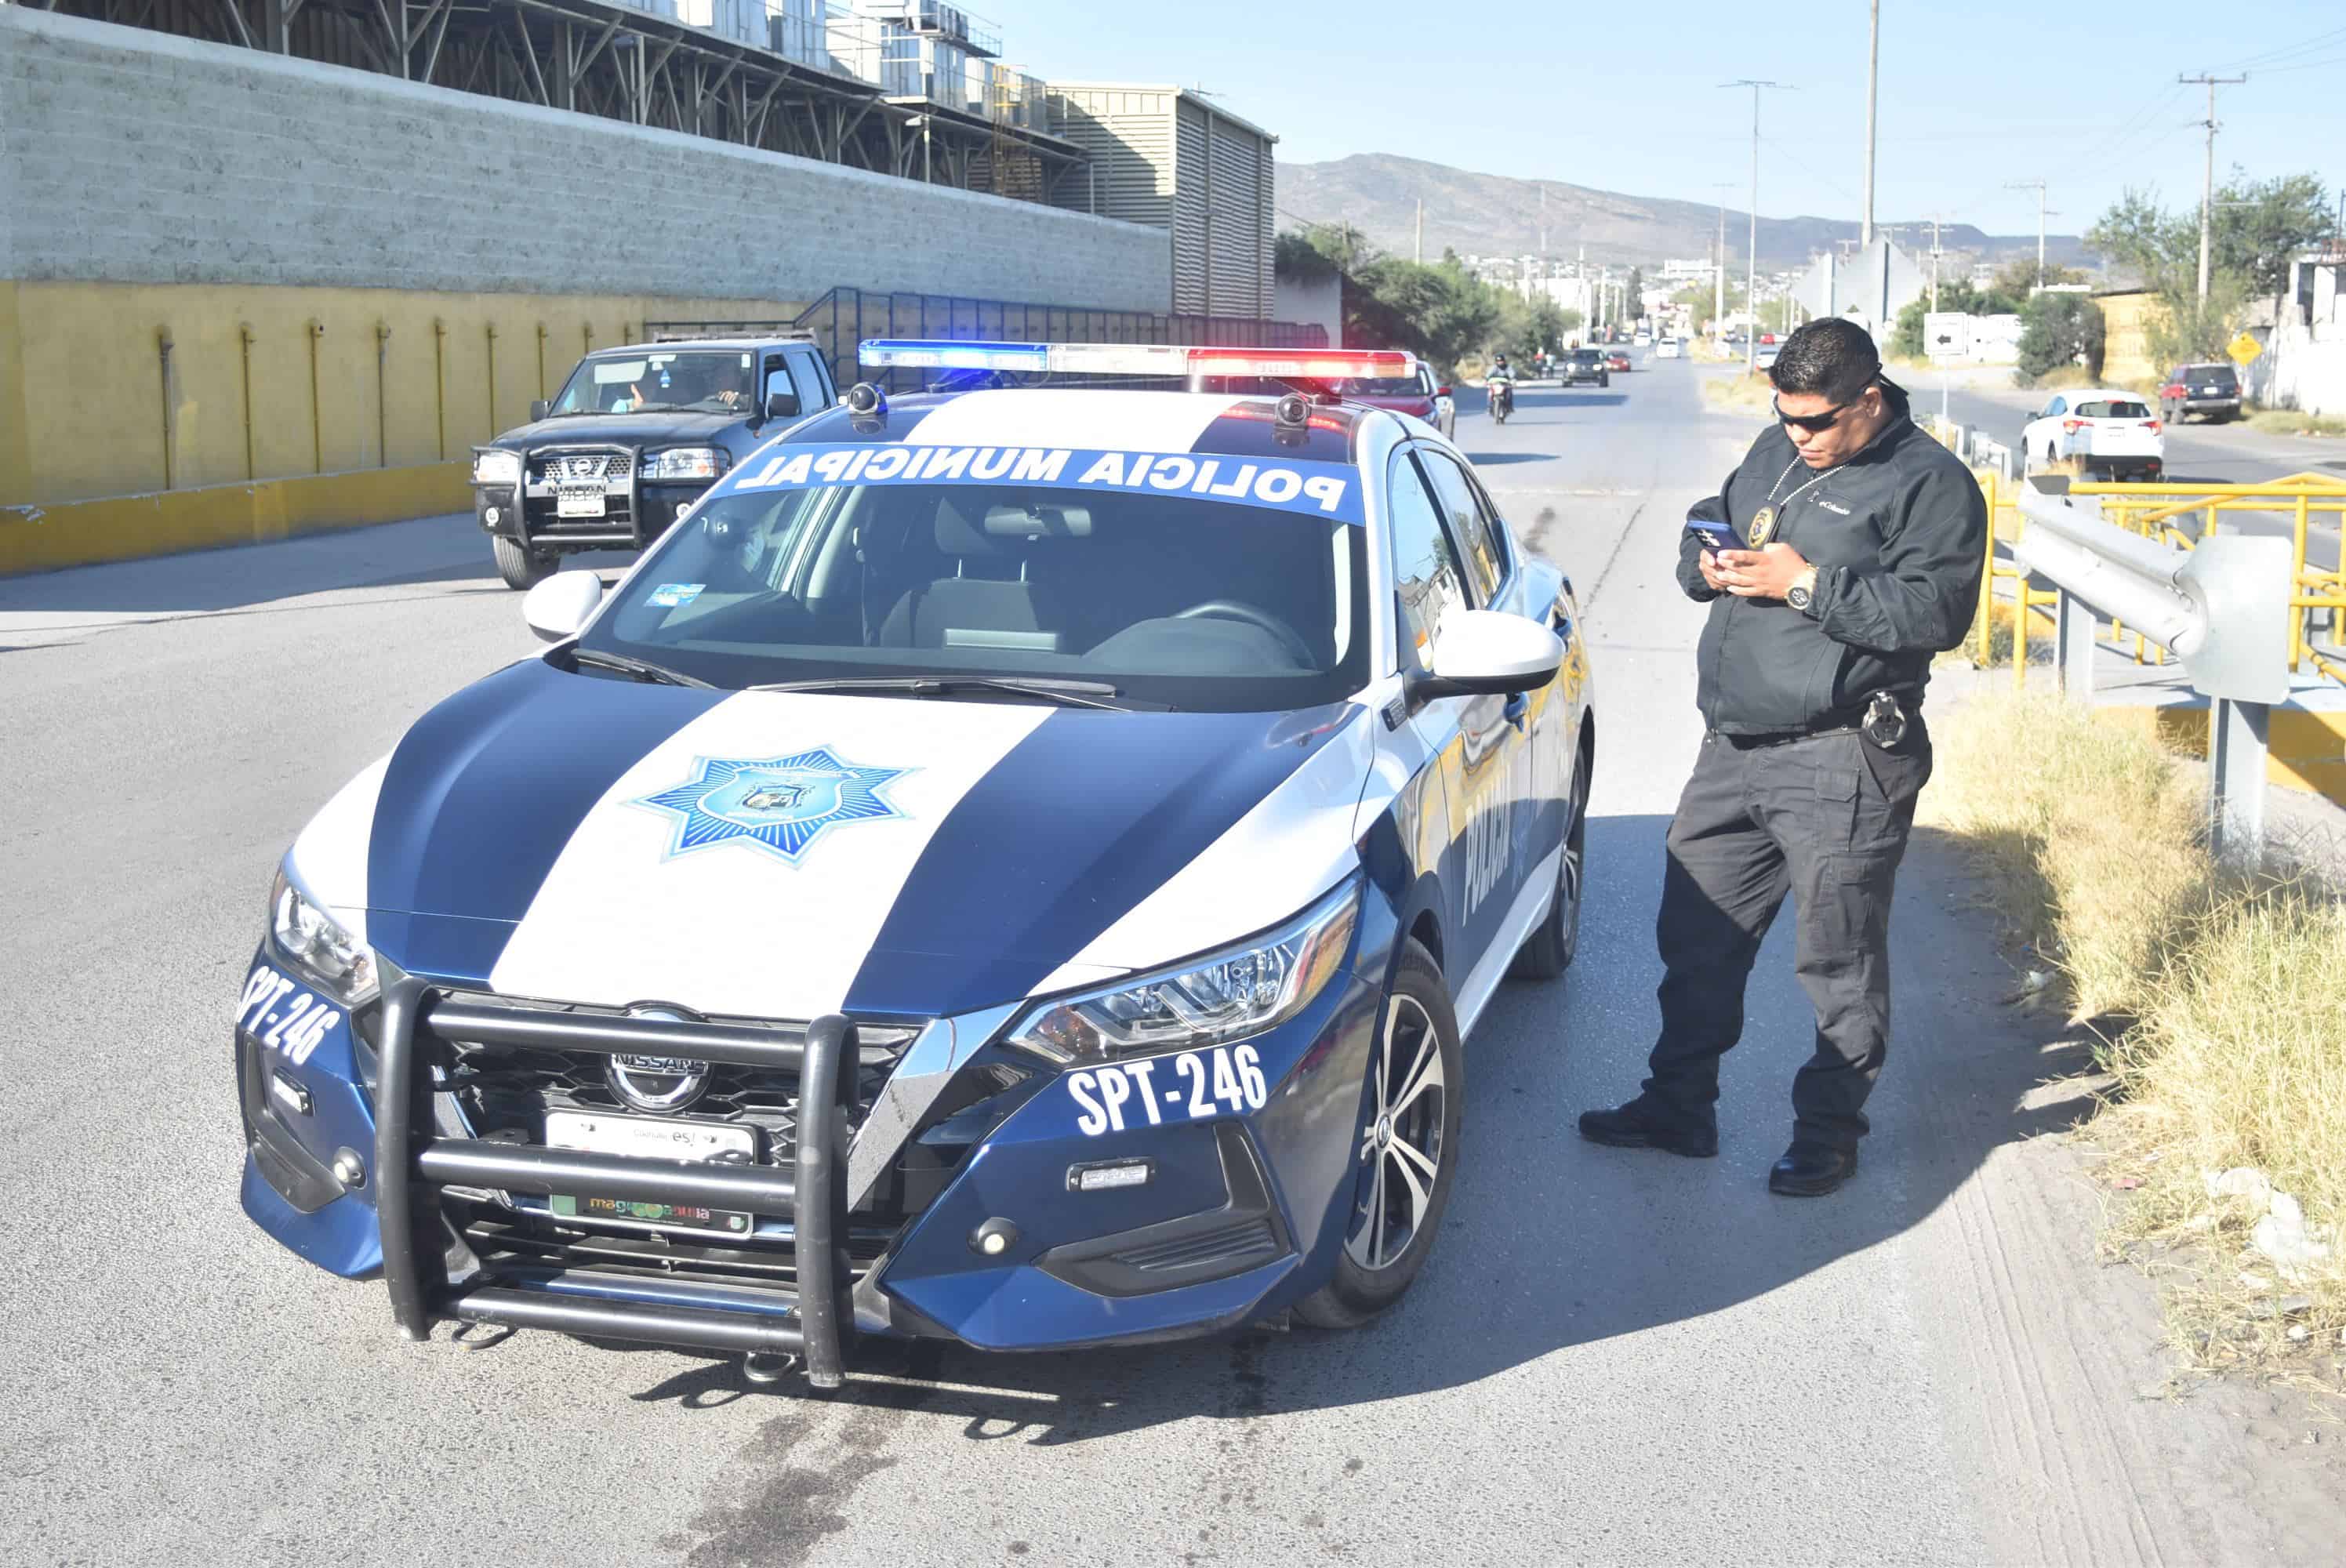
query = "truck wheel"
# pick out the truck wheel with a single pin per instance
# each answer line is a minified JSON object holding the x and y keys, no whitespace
{"x":520,"y":568}
{"x":1407,"y":1149}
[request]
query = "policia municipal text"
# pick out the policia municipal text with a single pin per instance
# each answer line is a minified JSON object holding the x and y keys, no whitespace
{"x":1864,"y":538}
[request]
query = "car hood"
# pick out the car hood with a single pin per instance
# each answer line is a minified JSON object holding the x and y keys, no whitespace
{"x":571,"y":838}
{"x":624,"y":429}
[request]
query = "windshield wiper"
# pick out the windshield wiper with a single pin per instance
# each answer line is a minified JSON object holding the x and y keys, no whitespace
{"x":1070,"y":693}
{"x":642,"y":669}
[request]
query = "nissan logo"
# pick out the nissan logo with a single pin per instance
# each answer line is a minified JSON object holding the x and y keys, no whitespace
{"x":656,"y":1084}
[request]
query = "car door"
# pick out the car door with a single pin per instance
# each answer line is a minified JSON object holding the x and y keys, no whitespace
{"x":1486,"y":751}
{"x":2039,"y":434}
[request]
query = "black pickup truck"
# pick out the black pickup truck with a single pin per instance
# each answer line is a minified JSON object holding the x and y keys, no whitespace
{"x":633,"y":438}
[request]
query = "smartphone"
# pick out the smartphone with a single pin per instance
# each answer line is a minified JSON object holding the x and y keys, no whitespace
{"x":1714,"y":535}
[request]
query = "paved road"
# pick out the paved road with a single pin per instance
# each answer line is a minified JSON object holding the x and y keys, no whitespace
{"x":1615,"y":1358}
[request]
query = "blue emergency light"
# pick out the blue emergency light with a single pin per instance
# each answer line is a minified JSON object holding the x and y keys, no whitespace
{"x":1139,"y":358}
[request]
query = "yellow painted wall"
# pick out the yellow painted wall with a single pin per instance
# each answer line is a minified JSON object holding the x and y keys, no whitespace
{"x":105,"y":413}
{"x":2125,"y":338}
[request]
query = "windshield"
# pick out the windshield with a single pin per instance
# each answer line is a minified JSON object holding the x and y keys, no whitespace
{"x":1182,"y":600}
{"x":2219,"y":374}
{"x":1587,"y":356}
{"x":705,"y":380}
{"x":1385,"y":386}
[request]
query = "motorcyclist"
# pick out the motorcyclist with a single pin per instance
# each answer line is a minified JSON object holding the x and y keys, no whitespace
{"x":1501,"y":382}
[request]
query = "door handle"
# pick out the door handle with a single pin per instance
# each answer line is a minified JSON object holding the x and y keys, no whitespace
{"x":1518,"y":709}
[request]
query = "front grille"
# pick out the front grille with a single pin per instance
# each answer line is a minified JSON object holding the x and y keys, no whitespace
{"x":579,"y":467}
{"x":504,"y":1090}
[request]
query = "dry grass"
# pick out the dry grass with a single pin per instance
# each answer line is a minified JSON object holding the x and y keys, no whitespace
{"x":2041,"y":644}
{"x":1738,"y":394}
{"x":2289,"y":421}
{"x":2221,"y":998}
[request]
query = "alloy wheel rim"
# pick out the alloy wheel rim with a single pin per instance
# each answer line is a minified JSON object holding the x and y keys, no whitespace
{"x":1575,"y":835}
{"x":1401,"y":1141}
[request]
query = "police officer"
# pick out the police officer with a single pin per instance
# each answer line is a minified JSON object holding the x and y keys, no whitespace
{"x":1864,"y":540}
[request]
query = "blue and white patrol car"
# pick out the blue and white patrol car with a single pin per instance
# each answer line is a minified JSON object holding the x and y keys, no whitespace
{"x":1012,"y":868}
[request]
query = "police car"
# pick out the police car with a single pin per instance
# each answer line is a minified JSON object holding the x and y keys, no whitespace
{"x":1012,"y":868}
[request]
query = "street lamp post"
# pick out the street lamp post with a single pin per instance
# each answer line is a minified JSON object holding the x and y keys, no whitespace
{"x":1751,"y":270}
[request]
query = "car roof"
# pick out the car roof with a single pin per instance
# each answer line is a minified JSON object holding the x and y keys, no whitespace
{"x":1220,"y":424}
{"x":2109,"y":394}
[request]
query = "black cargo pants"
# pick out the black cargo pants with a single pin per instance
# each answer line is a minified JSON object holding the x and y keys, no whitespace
{"x":1824,"y":818}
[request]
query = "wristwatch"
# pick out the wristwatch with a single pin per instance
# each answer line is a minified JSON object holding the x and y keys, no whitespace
{"x":1803,"y":591}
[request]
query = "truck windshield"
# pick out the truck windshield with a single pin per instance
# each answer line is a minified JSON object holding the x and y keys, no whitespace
{"x":1182,"y":600}
{"x":640,"y":381}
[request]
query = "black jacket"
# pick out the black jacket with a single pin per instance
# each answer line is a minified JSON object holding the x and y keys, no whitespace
{"x":1898,"y":536}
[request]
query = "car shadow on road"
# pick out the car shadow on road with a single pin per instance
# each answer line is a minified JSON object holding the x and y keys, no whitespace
{"x":1550,"y":1242}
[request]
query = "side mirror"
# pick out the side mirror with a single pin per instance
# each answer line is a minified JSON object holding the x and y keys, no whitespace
{"x":539,"y":408}
{"x":781,"y":405}
{"x":1489,"y":653}
{"x":561,"y":604}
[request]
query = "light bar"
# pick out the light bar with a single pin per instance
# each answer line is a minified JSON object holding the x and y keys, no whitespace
{"x":1140,"y":360}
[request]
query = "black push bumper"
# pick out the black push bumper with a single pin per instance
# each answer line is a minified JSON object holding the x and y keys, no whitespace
{"x":428,"y":1270}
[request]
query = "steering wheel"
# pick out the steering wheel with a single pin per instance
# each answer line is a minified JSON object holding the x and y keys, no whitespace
{"x":1262,"y":620}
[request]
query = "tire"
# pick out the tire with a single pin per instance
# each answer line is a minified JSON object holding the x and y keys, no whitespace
{"x":1547,"y":953}
{"x":1605,"y":380}
{"x":1396,"y":1217}
{"x":520,"y":568}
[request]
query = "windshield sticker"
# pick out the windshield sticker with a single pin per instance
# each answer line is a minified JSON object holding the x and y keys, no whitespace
{"x":668,"y":596}
{"x":778,"y":804}
{"x":1331,"y":489}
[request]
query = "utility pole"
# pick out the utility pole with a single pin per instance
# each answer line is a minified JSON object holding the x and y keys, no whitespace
{"x":1873,"y":81}
{"x":1752,"y":273}
{"x":2208,"y":179}
{"x":2038,"y":187}
{"x":1934,"y":266}
{"x":1718,"y":263}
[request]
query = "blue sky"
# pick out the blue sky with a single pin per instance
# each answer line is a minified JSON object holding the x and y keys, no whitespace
{"x":2082,"y":95}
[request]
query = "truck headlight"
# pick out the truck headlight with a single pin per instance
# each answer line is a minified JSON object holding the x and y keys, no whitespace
{"x":1210,"y":1001}
{"x":342,"y":965}
{"x":687,"y":462}
{"x":494,"y":465}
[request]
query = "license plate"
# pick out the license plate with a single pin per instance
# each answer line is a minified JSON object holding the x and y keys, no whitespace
{"x":578,"y":503}
{"x":642,"y":1137}
{"x":2211,"y":391}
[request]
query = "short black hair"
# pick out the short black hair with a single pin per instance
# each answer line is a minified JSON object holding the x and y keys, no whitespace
{"x":1833,"y":357}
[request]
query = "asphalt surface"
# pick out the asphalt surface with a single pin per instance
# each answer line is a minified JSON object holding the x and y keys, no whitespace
{"x":1614,"y":1356}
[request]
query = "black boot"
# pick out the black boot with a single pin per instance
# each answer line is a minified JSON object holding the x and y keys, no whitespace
{"x":1642,"y":1125}
{"x":1811,"y":1170}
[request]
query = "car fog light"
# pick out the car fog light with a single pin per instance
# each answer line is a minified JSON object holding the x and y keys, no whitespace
{"x":349,"y":1169}
{"x":1107,"y":1176}
{"x":994,"y":1238}
{"x":490,"y":515}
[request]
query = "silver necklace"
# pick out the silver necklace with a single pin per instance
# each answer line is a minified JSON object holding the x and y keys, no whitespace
{"x":1763,"y":521}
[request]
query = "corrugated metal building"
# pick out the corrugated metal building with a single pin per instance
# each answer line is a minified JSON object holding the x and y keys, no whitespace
{"x":1177,"y":162}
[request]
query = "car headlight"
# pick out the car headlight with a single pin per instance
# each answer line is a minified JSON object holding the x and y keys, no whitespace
{"x":687,"y":462}
{"x":497,"y":467}
{"x":1211,"y":1001}
{"x":341,"y":964}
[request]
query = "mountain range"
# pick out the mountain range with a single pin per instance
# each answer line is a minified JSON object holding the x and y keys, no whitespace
{"x":1494,"y":215}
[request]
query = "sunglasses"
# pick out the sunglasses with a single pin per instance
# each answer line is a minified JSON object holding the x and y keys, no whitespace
{"x":1817,"y":423}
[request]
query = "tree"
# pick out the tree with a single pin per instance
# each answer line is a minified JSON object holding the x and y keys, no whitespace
{"x":2017,"y":279}
{"x":2255,"y":229}
{"x":2059,"y":331}
{"x":1637,"y":287}
{"x":1957,"y":295}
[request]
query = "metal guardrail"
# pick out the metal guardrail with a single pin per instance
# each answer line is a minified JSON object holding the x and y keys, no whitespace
{"x":2218,"y":607}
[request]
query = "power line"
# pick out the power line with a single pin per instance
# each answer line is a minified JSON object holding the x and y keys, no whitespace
{"x":2286,"y":51}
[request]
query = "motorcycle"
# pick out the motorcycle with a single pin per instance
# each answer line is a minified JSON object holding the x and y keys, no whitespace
{"x":1503,"y":399}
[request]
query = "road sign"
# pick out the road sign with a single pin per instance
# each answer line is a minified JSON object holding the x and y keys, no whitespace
{"x":1947,"y":335}
{"x":2243,"y":349}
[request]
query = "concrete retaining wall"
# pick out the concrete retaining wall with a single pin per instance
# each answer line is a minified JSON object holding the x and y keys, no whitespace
{"x":134,"y":156}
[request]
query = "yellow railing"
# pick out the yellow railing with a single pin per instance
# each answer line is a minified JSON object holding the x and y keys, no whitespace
{"x":2155,"y":511}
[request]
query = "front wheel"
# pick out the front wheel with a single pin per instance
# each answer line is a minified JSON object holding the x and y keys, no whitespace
{"x":1407,"y":1151}
{"x":521,"y":568}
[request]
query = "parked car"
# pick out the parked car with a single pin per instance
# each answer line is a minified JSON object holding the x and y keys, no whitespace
{"x":2211,"y":391}
{"x":1419,"y":396}
{"x":2103,"y":432}
{"x":1580,"y":365}
{"x":633,"y":439}
{"x":1766,"y":358}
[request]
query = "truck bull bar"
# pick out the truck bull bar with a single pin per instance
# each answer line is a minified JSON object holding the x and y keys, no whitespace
{"x":421,"y":1021}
